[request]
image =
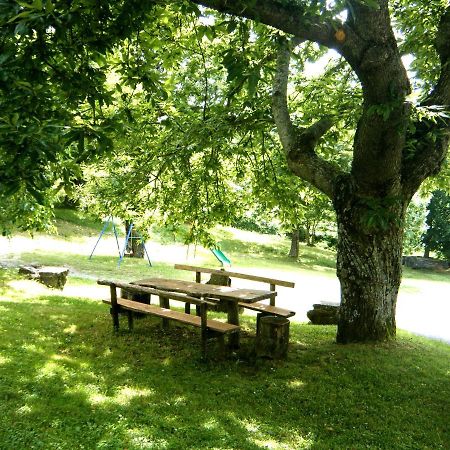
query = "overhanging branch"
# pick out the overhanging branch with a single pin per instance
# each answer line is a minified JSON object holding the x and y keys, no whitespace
{"x":441,"y":93}
{"x":291,"y":17}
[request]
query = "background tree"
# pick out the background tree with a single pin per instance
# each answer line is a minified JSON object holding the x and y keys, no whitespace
{"x":437,"y":236}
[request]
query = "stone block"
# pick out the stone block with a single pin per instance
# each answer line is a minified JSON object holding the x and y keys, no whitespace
{"x":324,"y":314}
{"x":53,"y":277}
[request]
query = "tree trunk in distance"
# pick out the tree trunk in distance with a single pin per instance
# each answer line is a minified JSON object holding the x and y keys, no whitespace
{"x":294,"y":250}
{"x":135,"y":246}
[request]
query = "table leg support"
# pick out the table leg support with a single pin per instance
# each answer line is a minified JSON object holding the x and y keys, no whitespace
{"x":233,"y":317}
{"x":114,"y":308}
{"x":164,"y":303}
{"x":130,"y":320}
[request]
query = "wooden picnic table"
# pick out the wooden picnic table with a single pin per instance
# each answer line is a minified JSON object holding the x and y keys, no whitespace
{"x":230,"y":296}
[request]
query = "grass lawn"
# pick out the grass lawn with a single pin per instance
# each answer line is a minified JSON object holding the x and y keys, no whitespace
{"x":67,"y":382}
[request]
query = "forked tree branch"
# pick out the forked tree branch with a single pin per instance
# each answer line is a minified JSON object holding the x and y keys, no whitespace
{"x":286,"y":130}
{"x":299,"y":143}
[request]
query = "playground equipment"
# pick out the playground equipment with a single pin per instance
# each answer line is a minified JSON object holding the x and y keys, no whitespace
{"x":220,"y":256}
{"x":128,"y":237}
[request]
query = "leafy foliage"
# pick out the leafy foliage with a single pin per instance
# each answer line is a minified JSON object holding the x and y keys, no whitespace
{"x":183,"y":94}
{"x":414,"y":225}
{"x":418,"y":25}
{"x":55,"y":61}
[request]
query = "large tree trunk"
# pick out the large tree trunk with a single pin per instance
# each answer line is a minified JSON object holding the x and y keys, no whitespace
{"x":369,"y":270}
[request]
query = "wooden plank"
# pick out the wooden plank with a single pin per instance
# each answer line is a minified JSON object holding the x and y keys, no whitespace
{"x":261,"y":307}
{"x":136,"y":287}
{"x":207,"y":290}
{"x":164,"y":313}
{"x":204,"y":328}
{"x":233,"y":317}
{"x":236,"y":275}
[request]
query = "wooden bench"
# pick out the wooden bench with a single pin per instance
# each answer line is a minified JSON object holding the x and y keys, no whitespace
{"x":261,"y":308}
{"x":209,"y":328}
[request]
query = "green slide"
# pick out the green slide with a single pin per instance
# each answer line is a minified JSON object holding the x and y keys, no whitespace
{"x":220,"y":256}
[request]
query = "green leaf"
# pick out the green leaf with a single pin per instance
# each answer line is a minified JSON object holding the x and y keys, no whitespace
{"x":37,"y":4}
{"x":253,"y":81}
{"x":22,"y":15}
{"x":15,"y":119}
{"x":49,"y":6}
{"x":21,"y":28}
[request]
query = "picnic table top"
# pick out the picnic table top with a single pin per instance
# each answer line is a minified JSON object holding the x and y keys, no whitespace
{"x":207,"y":290}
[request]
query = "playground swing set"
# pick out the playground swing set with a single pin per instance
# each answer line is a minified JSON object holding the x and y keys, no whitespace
{"x":221,"y":257}
{"x":128,"y":238}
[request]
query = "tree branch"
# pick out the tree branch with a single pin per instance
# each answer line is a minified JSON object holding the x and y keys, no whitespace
{"x":295,"y":18}
{"x":286,"y":130}
{"x":441,"y":93}
{"x":299,"y":143}
{"x":365,"y":40}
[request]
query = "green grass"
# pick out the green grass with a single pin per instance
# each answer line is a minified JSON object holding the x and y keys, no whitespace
{"x":71,"y":223}
{"x":259,"y":250}
{"x":67,"y":382}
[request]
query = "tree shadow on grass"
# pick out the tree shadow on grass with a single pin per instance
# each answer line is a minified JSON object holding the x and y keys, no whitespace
{"x":69,"y":382}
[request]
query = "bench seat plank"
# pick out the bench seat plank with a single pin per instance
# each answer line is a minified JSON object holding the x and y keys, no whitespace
{"x":165,"y":313}
{"x":275,"y":310}
{"x":235,"y":275}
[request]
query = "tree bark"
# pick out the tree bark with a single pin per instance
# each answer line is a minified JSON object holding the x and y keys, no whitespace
{"x":369,"y":268}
